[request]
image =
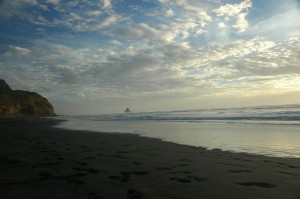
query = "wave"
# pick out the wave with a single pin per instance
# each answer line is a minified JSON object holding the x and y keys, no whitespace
{"x":268,"y":130}
{"x":282,"y":113}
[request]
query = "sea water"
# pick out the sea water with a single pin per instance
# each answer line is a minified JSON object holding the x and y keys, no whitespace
{"x":265,"y":130}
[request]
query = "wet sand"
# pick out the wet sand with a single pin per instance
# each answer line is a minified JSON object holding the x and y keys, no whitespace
{"x":40,"y":161}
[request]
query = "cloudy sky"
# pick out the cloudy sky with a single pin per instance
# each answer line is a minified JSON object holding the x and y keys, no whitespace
{"x":101,"y":56}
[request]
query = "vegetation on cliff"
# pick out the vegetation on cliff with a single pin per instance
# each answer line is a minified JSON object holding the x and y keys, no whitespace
{"x":23,"y":103}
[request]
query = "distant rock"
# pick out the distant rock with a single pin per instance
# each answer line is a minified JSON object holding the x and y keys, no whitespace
{"x":23,"y":103}
{"x":127,"y":110}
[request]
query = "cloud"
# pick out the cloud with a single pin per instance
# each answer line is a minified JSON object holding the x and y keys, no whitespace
{"x":203,"y":18}
{"x":155,"y":33}
{"x":241,"y":22}
{"x":233,"y":9}
{"x":95,"y":50}
{"x":65,"y":74}
{"x":17,"y":51}
{"x":235,"y":15}
{"x":94,"y":13}
{"x":55,"y":2}
{"x":235,"y":50}
{"x":175,"y":32}
{"x":140,"y":32}
{"x":237,"y":68}
{"x":134,"y":74}
{"x":10,"y":8}
{"x":172,"y":68}
{"x":110,"y":20}
{"x":79,"y":21}
{"x":193,"y":8}
{"x":107,"y":4}
{"x":116,"y":43}
{"x":264,"y":67}
{"x":169,"y":13}
{"x":90,"y":16}
{"x":281,"y":59}
{"x":283,"y":25}
{"x":221,"y":25}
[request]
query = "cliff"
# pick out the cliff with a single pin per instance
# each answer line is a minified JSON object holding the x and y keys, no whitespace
{"x":4,"y":86}
{"x":23,"y":103}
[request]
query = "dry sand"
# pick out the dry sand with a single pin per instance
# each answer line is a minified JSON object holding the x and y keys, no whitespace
{"x":39,"y":161}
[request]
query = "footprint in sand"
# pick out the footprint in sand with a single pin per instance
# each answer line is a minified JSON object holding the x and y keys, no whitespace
{"x":196,"y":178}
{"x":88,"y":171}
{"x":183,"y":165}
{"x":82,"y":163}
{"x":88,"y":158}
{"x":120,"y":178}
{"x":137,"y":163}
{"x":72,"y":178}
{"x":267,"y":161}
{"x":181,"y":180}
{"x":293,"y":167}
{"x":76,"y":182}
{"x":126,"y":175}
{"x":256,"y":184}
{"x":240,"y":171}
{"x":180,"y":172}
{"x":134,"y":194}
{"x":92,"y":171}
{"x":189,"y":179}
{"x":118,"y":156}
{"x":289,"y":173}
{"x":184,"y":160}
{"x":152,"y":155}
{"x":93,"y":195}
{"x":122,"y":152}
{"x":164,"y":168}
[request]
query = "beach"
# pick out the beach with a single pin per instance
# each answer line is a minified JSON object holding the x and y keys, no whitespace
{"x":38,"y":160}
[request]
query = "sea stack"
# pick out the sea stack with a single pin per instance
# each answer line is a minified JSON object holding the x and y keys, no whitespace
{"x":23,"y":103}
{"x":127,"y":110}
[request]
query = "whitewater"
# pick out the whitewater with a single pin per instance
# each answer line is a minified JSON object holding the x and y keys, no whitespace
{"x":265,"y":130}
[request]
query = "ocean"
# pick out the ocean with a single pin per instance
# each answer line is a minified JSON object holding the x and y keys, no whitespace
{"x":265,"y":130}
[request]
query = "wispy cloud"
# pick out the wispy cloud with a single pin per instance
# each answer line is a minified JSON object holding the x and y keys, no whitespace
{"x":11,"y":8}
{"x":55,"y":2}
{"x":17,"y":51}
{"x":198,"y":9}
{"x":282,"y":25}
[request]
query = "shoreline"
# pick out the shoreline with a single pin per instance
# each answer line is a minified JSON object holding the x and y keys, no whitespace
{"x":255,"y":138}
{"x":39,"y":160}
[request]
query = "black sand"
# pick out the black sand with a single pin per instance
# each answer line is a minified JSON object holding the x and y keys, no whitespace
{"x":39,"y":161}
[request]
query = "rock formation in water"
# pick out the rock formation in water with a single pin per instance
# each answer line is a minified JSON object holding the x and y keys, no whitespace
{"x":127,"y":110}
{"x":23,"y":103}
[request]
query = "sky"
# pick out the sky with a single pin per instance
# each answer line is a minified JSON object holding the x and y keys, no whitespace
{"x":101,"y":56}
